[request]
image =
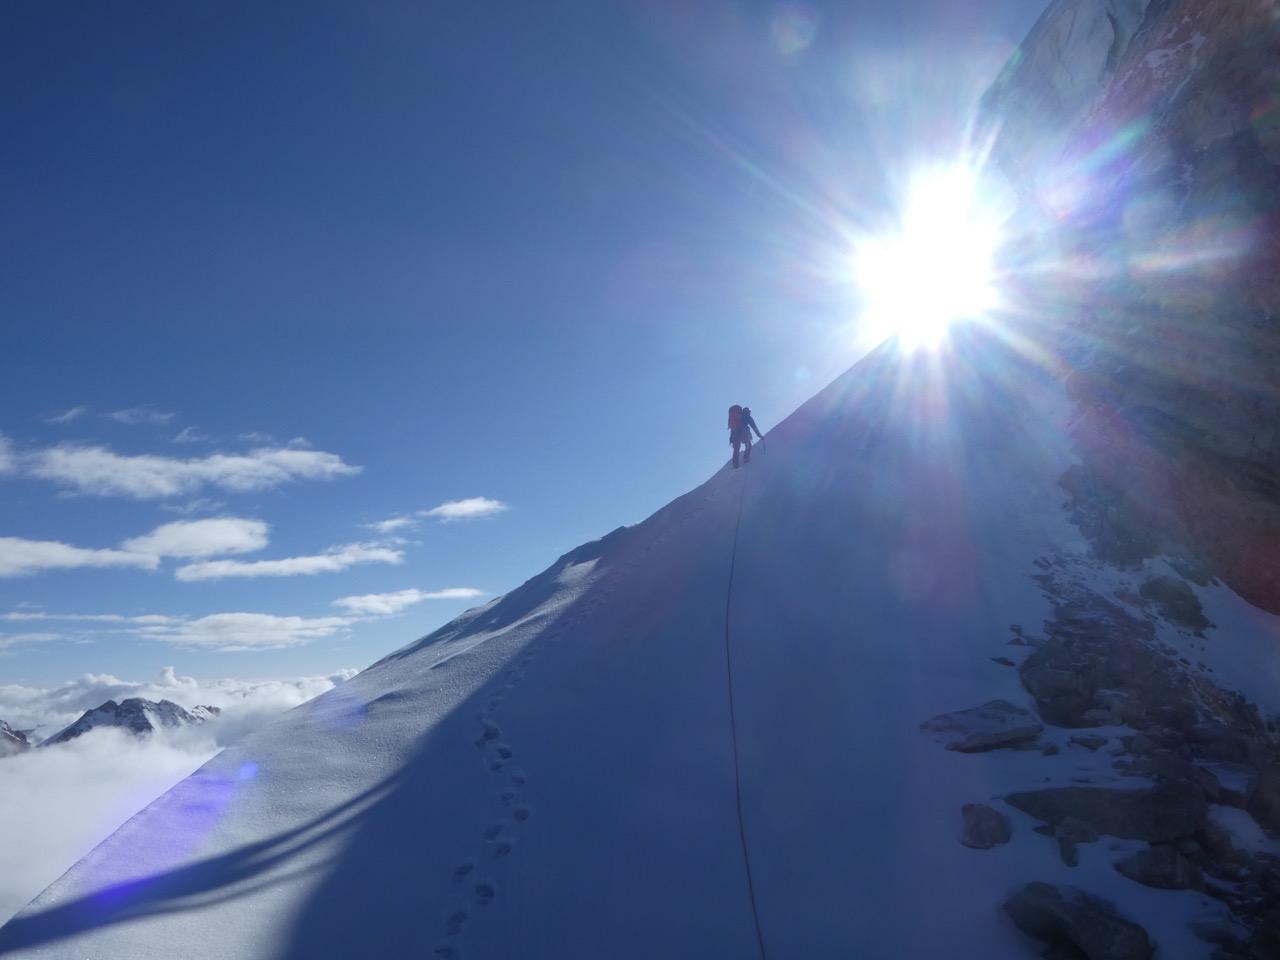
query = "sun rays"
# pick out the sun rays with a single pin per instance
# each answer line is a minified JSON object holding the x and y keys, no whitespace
{"x":933,"y":270}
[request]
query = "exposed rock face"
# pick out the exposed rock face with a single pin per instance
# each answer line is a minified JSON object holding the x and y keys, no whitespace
{"x":1162,"y":865}
{"x":1194,"y":750}
{"x":984,"y":827}
{"x":136,"y":715}
{"x":1145,"y":137}
{"x":1097,"y":668}
{"x":12,"y":741}
{"x":1056,"y":75}
{"x":1069,"y":917}
{"x":988,"y":727}
{"x":1159,"y":814}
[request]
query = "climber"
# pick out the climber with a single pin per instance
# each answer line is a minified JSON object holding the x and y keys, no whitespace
{"x":740,"y":426}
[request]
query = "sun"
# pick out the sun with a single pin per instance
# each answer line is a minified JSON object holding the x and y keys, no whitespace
{"x":936,"y":269}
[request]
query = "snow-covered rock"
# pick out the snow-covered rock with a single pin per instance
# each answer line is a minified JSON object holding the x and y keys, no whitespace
{"x":135,"y":715}
{"x":1058,"y":72}
{"x":12,"y":741}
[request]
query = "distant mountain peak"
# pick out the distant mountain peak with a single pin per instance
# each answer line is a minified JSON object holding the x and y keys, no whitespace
{"x":136,"y":715}
{"x":12,"y":741}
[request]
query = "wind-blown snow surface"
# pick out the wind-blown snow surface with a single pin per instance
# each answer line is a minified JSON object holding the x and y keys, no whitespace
{"x":553,"y":774}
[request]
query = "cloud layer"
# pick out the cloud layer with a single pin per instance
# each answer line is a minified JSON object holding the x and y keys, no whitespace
{"x":332,"y":561}
{"x":96,"y":470}
{"x":119,"y":772}
{"x":20,"y":557}
{"x":389,"y":604}
{"x":231,"y":632}
{"x":225,"y":632}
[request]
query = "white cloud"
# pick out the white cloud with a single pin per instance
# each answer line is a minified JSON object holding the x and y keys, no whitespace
{"x":198,"y":505}
{"x":20,"y":558}
{"x":66,"y":416}
{"x":190,"y":435}
{"x":121,"y":773}
{"x":7,"y":461}
{"x":465,"y":509}
{"x":389,"y":604}
{"x":201,"y":538}
{"x":48,"y":710}
{"x":391,"y":526}
{"x":336,"y":559}
{"x":246,"y":631}
{"x":140,"y":414}
{"x":10,"y":640}
{"x":98,"y":471}
{"x":19,"y":615}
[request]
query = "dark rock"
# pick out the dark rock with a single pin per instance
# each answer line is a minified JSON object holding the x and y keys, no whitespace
{"x":1219,"y":932}
{"x":12,"y":741}
{"x":1217,"y":843}
{"x":1161,"y":813}
{"x":1139,"y":744}
{"x":1161,"y":865}
{"x":1264,"y":803}
{"x":1090,"y":743}
{"x":988,"y":727}
{"x":984,"y":827}
{"x":1236,"y":783}
{"x":1069,"y":834}
{"x":1066,"y":915}
{"x":1098,"y":668}
{"x":1175,"y":601}
{"x":1265,"y":942}
{"x":1217,"y":741}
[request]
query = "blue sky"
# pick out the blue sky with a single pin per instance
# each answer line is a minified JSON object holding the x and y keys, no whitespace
{"x":324,"y":322}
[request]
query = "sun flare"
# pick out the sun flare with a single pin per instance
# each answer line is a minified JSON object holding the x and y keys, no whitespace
{"x":935,"y":269}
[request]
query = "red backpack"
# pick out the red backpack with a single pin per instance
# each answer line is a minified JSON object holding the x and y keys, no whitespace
{"x":735,"y":417}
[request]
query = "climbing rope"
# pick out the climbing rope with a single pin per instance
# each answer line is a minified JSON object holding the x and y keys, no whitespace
{"x":733,"y":726}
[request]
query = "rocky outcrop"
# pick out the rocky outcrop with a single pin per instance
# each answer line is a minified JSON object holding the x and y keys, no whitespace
{"x":12,"y":741}
{"x":1069,"y":918}
{"x":1165,"y":812}
{"x":1145,"y":138}
{"x":984,"y":827}
{"x":1162,"y":865}
{"x":988,"y":727}
{"x":1192,"y":749}
{"x":1055,"y":77}
{"x":1098,"y":667}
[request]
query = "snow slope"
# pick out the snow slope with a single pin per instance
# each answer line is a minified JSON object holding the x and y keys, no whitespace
{"x":559,"y":773}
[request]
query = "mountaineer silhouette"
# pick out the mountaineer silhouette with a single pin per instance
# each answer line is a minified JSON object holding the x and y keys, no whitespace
{"x":740,"y":426}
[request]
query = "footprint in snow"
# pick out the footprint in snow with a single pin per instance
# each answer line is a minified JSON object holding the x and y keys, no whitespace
{"x":491,"y":732}
{"x":454,"y":921}
{"x":521,"y":813}
{"x":460,"y":872}
{"x":485,"y":891}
